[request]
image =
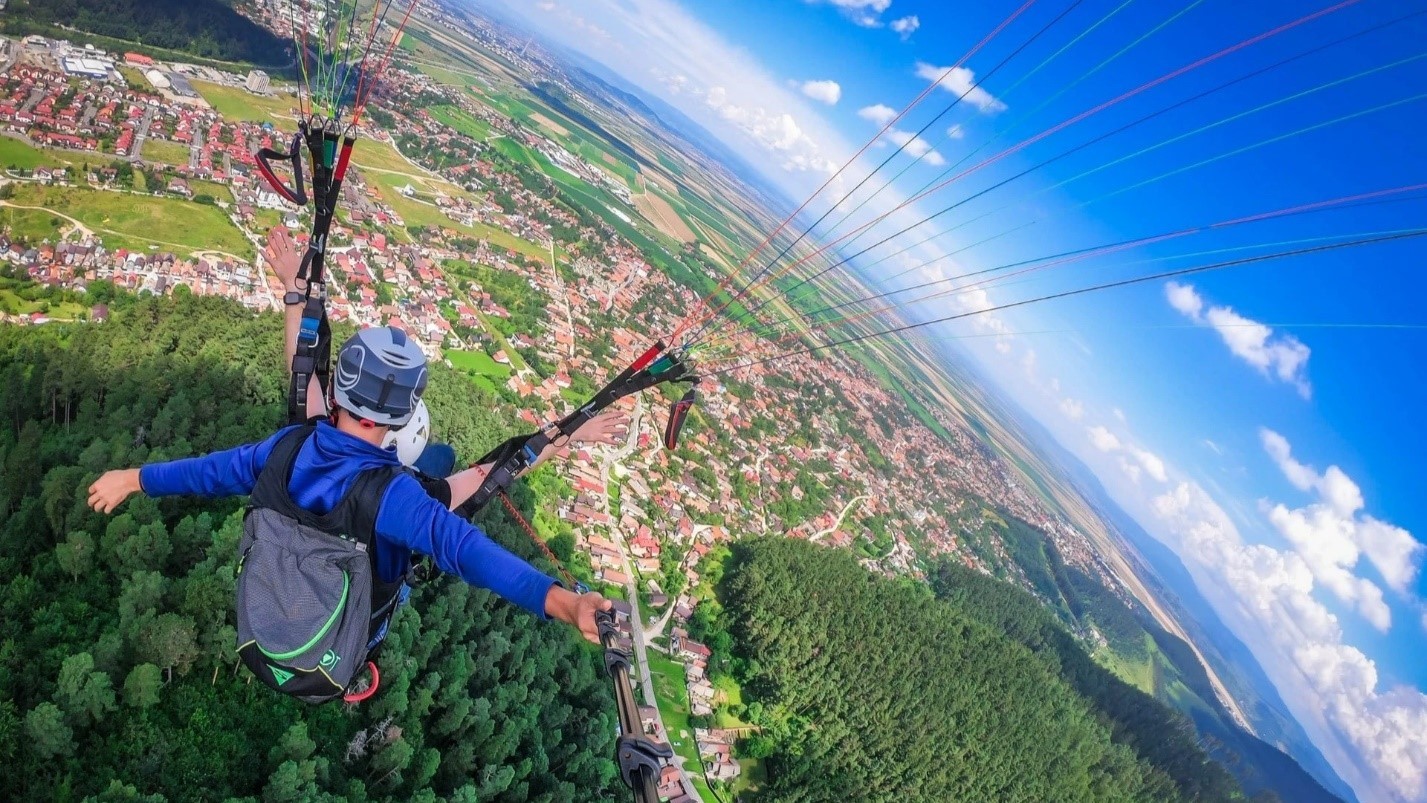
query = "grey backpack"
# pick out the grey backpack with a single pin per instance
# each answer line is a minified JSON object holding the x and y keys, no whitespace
{"x":310,"y":605}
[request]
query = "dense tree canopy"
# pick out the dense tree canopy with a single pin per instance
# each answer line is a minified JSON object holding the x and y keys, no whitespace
{"x":208,"y":28}
{"x":117,"y":673}
{"x":871,"y":689}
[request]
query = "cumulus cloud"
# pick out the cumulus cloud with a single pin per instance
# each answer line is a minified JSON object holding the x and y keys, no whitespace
{"x":956,"y":132}
{"x":1103,"y":439}
{"x":879,"y":113}
{"x":882,"y":114}
{"x":778,"y":132}
{"x":961,"y":81}
{"x":1151,"y":462}
{"x":916,"y":146}
{"x":1282,"y":356}
{"x":829,"y":92}
{"x":1332,"y":532}
{"x":1331,"y":682}
{"x":1074,"y":409}
{"x":906,"y":26}
{"x":866,"y":13}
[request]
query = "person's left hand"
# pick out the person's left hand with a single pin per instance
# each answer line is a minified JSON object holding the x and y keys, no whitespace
{"x":284,"y":255}
{"x":577,"y":609}
{"x":609,"y":428}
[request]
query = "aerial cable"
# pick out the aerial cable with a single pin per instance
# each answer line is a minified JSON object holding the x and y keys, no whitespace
{"x":340,"y":89}
{"x":1184,"y":102}
{"x":1003,"y":282}
{"x":1008,"y":92}
{"x":1270,"y":141}
{"x":701,"y":308}
{"x":366,"y":84}
{"x":727,"y":353}
{"x":1183,"y":327}
{"x":1062,"y":125}
{"x":377,"y":22}
{"x":901,"y":147}
{"x":1138,"y":153}
{"x":788,"y":291}
{"x":300,"y":48}
{"x":1075,"y":255}
{"x":1409,"y":234}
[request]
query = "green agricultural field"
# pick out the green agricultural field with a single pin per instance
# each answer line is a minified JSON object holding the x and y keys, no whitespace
{"x":477,"y":362}
{"x":236,"y":103}
{"x":136,"y":221}
{"x":381,"y":155}
{"x":670,"y":165}
{"x":462,"y":121}
{"x":171,"y":153}
{"x":31,"y":225}
{"x":14,"y":153}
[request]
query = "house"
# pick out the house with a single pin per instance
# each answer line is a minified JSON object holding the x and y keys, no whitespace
{"x":694,"y":651}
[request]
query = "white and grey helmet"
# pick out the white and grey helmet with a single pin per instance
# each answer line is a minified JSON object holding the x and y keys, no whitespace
{"x":380,"y":376}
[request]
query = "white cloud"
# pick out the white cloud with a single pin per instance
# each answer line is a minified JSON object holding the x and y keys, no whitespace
{"x":879,"y":113}
{"x":916,"y":146}
{"x":828,"y":92}
{"x":1120,"y":414}
{"x":1184,"y":298}
{"x":1331,"y":533}
{"x":956,"y":132}
{"x":1212,"y":446}
{"x":1074,"y":409}
{"x":912,"y":144}
{"x":1153,"y":465}
{"x":1282,"y":356}
{"x":961,"y":81}
{"x":1103,"y":439}
{"x":545,"y":5}
{"x":1331,"y":684}
{"x":862,"y":12}
{"x":906,"y":26}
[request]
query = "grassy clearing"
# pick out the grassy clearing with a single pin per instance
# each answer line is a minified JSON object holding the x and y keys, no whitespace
{"x":462,"y":121}
{"x":381,"y":155}
{"x":236,"y":103}
{"x":477,"y":362}
{"x":31,"y":225}
{"x":14,"y":153}
{"x":219,"y":192}
{"x":670,"y":164}
{"x":172,"y":153}
{"x":12,"y":304}
{"x":136,"y":222}
{"x":668,"y":677}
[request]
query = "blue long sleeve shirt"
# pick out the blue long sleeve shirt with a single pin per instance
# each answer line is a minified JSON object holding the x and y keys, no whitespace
{"x":408,"y":520}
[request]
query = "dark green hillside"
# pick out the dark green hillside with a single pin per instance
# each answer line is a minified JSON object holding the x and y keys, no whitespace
{"x":207,"y":28}
{"x":1164,"y":736}
{"x":871,"y":689}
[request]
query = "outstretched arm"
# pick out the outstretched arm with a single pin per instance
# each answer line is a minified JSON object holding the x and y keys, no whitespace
{"x":608,"y":428}
{"x":285,"y":256}
{"x":227,"y":473}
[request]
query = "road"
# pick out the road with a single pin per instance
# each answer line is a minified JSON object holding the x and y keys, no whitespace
{"x":136,"y":152}
{"x":847,"y":508}
{"x":631,"y":591}
{"x":564,"y":299}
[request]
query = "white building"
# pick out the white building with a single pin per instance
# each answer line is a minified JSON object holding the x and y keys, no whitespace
{"x":258,"y":82}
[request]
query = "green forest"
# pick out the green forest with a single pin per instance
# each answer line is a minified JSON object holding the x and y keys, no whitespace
{"x":207,"y":28}
{"x":875,"y":689}
{"x":118,"y":679}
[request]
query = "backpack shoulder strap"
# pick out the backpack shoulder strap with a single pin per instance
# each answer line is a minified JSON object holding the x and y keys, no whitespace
{"x":271,"y":488}
{"x":363,"y":501}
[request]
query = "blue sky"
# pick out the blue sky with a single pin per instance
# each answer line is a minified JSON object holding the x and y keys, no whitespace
{"x":1280,"y":459}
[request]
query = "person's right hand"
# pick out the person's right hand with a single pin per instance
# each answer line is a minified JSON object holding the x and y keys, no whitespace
{"x":284,"y":256}
{"x":111,"y":489}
